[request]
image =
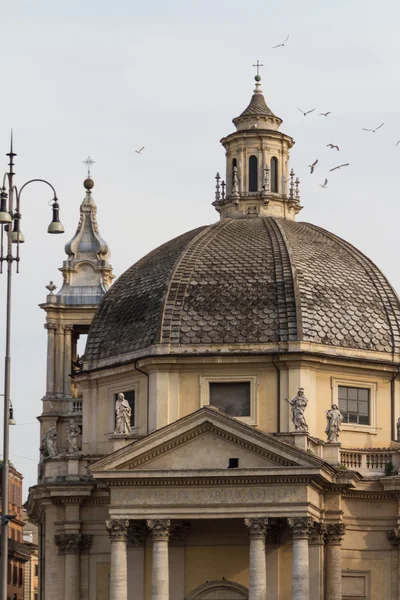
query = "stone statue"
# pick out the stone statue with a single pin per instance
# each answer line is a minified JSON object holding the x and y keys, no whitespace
{"x":123,"y":416}
{"x":49,"y":443}
{"x":298,"y":406}
{"x":72,"y":437}
{"x":334,"y":419}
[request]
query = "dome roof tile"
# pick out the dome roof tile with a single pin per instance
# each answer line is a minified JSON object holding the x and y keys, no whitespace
{"x":252,"y":281}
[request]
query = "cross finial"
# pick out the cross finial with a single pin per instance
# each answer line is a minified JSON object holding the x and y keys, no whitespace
{"x":89,"y":162}
{"x":258,"y":65}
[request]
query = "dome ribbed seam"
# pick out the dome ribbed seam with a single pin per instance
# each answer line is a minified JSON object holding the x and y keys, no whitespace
{"x":288,"y":306}
{"x":179,"y":281}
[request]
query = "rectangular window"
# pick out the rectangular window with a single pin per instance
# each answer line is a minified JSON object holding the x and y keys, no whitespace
{"x":18,"y":495}
{"x":13,"y":493}
{"x":231,"y":397}
{"x":130,"y":396}
{"x":354,"y":404}
{"x":36,"y":570}
{"x":9,"y":573}
{"x":20,"y":576}
{"x":15,"y":575}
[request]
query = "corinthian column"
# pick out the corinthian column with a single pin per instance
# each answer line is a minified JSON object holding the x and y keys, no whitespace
{"x":257,"y":565}
{"x":118,"y":532}
{"x":67,"y":360}
{"x":301,"y":527}
{"x":51,"y":329}
{"x":71,"y":545}
{"x":334,"y":536}
{"x":160,"y":576}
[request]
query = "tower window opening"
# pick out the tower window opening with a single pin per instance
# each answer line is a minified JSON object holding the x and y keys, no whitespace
{"x":274,"y":175}
{"x":253,"y":174}
{"x":234,"y":164}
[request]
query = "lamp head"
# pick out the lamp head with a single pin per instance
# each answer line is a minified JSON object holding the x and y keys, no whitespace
{"x":5,"y":216}
{"x":17,"y":236}
{"x":56,"y":226}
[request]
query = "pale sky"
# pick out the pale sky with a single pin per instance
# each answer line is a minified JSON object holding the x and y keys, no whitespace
{"x":101,"y":79}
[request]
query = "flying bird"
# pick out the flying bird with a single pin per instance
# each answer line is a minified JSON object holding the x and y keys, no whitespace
{"x":325,"y":114}
{"x":140,"y":151}
{"x":398,"y":143}
{"x":340,"y":166}
{"x":373,"y":130}
{"x":325,"y":184}
{"x":281,"y":45}
{"x":307,"y":112}
{"x":332,"y":146}
{"x":312,"y":167}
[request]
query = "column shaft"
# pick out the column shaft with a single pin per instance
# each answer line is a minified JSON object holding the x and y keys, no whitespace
{"x":118,"y":532}
{"x":71,"y":585}
{"x":333,"y":572}
{"x":257,"y":570}
{"x":334,"y":536}
{"x":300,"y":570}
{"x":59,"y":360}
{"x":160,"y":574}
{"x":50,"y":358}
{"x":67,"y":360}
{"x":119,"y":570}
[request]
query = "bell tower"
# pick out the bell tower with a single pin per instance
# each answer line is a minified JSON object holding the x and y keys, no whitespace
{"x":87,"y":276}
{"x":258,"y":181}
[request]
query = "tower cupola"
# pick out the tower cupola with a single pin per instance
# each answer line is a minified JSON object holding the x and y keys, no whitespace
{"x":258,"y":179}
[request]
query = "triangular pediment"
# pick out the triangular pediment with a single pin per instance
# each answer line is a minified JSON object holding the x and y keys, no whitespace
{"x":205,"y":440}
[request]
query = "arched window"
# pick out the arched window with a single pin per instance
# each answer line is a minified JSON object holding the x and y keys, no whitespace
{"x":274,"y":174}
{"x":234,"y":164}
{"x":253,"y":174}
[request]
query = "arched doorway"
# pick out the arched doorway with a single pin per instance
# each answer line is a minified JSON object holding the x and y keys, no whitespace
{"x":219,"y":590}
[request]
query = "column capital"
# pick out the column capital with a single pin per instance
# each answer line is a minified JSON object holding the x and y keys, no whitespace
{"x":159,"y":528}
{"x":50,"y":327}
{"x":394,"y":536}
{"x":257,"y":527}
{"x":335,"y":533}
{"x":117,"y":529}
{"x":317,"y":534}
{"x":72,"y":543}
{"x":67,"y":327}
{"x":301,"y":526}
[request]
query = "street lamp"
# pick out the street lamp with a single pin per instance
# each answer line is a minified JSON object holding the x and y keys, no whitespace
{"x":10,"y":219}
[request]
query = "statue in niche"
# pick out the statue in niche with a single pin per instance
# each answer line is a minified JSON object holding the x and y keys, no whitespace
{"x":72,"y":437}
{"x":48,"y":446}
{"x":334,"y":419}
{"x":298,"y":406}
{"x":123,"y":416}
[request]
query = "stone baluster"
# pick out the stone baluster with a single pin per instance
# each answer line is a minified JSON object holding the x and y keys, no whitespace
{"x":160,"y":529}
{"x":118,"y":532}
{"x":71,"y":545}
{"x":51,"y":329}
{"x":67,"y":359}
{"x":257,"y":566}
{"x":334,"y":536}
{"x":301,"y":527}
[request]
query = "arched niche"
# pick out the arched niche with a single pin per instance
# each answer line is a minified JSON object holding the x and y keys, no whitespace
{"x":219,"y":590}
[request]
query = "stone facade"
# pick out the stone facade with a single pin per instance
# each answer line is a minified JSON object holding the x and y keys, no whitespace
{"x":208,"y":501}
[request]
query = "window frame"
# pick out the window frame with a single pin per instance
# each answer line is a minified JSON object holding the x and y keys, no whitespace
{"x":253,"y":175}
{"x":372,"y":428}
{"x":120,"y":389}
{"x":253,"y":380}
{"x":274,"y":176}
{"x":366,"y":575}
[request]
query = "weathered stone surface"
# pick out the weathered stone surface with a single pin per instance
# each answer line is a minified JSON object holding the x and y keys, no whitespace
{"x":248,"y":281}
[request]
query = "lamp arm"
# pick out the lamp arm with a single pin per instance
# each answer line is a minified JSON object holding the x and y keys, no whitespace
{"x":18,"y":193}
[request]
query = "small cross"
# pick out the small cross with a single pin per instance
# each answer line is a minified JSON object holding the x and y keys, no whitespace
{"x":258,"y":65}
{"x":89,"y":162}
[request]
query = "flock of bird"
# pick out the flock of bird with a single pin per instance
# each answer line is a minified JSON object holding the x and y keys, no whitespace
{"x":331,"y":146}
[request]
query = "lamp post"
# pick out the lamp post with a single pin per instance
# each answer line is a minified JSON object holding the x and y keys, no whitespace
{"x":10,"y":219}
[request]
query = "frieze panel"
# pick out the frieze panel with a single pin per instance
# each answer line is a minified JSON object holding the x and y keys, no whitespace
{"x":208,"y":496}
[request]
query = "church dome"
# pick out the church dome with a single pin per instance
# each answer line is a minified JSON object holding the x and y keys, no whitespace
{"x":245,"y":285}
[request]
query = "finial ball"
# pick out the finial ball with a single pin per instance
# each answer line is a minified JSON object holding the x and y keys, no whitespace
{"x":88,"y":183}
{"x":257,"y":77}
